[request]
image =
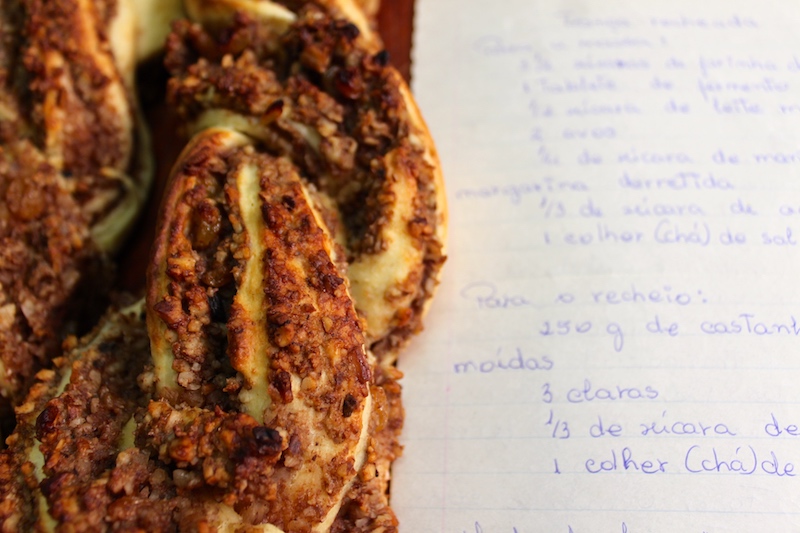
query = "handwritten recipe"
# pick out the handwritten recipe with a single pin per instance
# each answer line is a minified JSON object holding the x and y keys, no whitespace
{"x":615,"y":346}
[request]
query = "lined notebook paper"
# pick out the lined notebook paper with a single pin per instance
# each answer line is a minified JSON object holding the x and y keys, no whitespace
{"x":615,"y":345}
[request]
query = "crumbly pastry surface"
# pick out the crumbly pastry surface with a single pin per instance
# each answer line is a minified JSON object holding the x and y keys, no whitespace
{"x":248,"y":311}
{"x":253,"y":407}
{"x":299,"y":243}
{"x":90,"y":451}
{"x":73,"y":169}
{"x":321,"y":92}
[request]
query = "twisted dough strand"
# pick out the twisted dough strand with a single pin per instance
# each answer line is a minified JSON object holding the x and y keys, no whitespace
{"x":241,"y":230}
{"x":257,"y":406}
{"x":74,"y":169}
{"x":323,"y":94}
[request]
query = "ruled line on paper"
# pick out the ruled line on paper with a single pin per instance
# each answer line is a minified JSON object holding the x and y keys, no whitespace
{"x":624,"y":230}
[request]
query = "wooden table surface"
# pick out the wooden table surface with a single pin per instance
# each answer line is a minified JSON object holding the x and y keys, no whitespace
{"x":394,"y":24}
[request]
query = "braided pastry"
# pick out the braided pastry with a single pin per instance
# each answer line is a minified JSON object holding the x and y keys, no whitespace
{"x":74,"y":168}
{"x":318,"y":89}
{"x":300,"y":234}
{"x":256,"y":403}
{"x":159,"y":14}
{"x":247,"y":310}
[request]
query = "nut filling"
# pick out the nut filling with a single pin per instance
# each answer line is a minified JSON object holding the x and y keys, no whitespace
{"x":74,"y":171}
{"x":257,"y":293}
{"x":301,"y":233}
{"x":261,"y":408}
{"x":323,"y":94}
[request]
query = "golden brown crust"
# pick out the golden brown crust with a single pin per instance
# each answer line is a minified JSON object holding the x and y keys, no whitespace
{"x":44,"y":249}
{"x":179,"y":469}
{"x":327,"y":98}
{"x":281,"y":441}
{"x":73,"y":418}
{"x":190,"y":276}
{"x":257,"y":402}
{"x":244,"y":278}
{"x":366,"y":507}
{"x":70,"y":72}
{"x":82,"y":114}
{"x":72,"y":174}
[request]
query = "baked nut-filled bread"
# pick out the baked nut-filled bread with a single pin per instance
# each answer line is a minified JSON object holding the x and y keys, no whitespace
{"x":256,"y":406}
{"x":159,"y":15}
{"x":247,"y":311}
{"x":73,"y":168}
{"x":301,"y":233}
{"x":317,"y":88}
{"x":71,"y":428}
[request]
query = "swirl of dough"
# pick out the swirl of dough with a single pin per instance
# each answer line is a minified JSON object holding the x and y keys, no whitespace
{"x":302,"y":225}
{"x":248,"y":402}
{"x":248,"y":311}
{"x":317,"y":88}
{"x":74,"y":168}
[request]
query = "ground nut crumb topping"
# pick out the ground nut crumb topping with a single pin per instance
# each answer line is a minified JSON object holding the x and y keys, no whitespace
{"x":334,"y":106}
{"x":71,"y":173}
{"x":257,"y":400}
{"x":277,"y":314}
